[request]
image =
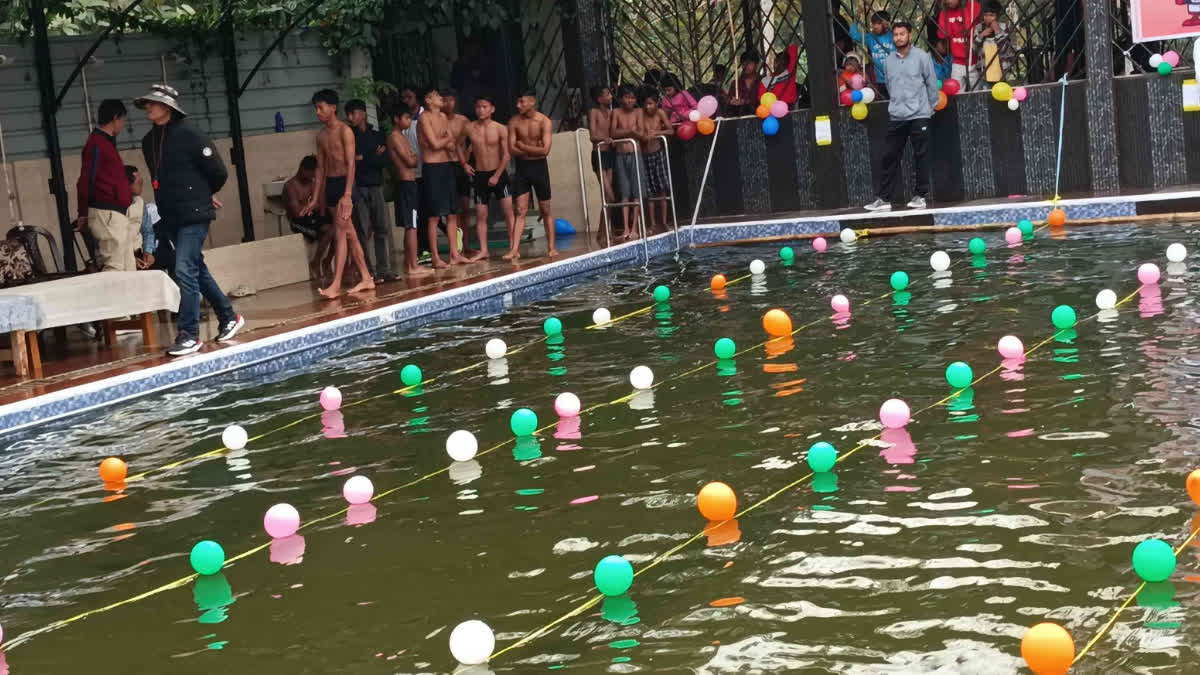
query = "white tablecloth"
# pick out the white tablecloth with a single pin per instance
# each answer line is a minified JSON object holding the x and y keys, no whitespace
{"x":95,"y":297}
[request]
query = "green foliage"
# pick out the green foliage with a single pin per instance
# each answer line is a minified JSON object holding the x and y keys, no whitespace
{"x":369,"y":90}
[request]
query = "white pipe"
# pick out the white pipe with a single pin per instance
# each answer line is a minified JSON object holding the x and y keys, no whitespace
{"x":671,"y":188}
{"x":583,"y":187}
{"x":14,"y":205}
{"x":704,"y":177}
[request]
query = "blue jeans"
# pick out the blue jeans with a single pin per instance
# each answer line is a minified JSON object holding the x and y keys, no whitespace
{"x":194,"y":280}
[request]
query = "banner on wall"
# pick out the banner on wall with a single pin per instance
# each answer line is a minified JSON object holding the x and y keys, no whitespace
{"x":1164,"y":19}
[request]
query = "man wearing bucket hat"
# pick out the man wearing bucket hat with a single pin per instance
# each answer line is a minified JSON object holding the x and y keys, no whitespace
{"x":187,"y":171}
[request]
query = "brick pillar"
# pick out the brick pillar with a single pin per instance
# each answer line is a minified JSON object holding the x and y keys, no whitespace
{"x":1102,"y":124}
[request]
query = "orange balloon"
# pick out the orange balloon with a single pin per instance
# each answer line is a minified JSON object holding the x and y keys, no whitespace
{"x":717,"y":502}
{"x":1048,"y":649}
{"x":112,"y":470}
{"x":941,"y":100}
{"x":1193,"y":485}
{"x":717,"y":283}
{"x":761,"y":112}
{"x":1057,"y":217}
{"x":705,"y":126}
{"x":777,"y":323}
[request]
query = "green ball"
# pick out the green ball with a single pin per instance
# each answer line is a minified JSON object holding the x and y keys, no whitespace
{"x":523,"y":422}
{"x":725,"y":348}
{"x":661,"y":294}
{"x":1063,"y":317}
{"x":613,"y":575}
{"x":1025,"y":226}
{"x":977,"y":246}
{"x":1164,"y":68}
{"x":1154,"y":560}
{"x":821,"y":457}
{"x":787,"y":253}
{"x":410,"y":375}
{"x":207,"y":557}
{"x":959,"y":375}
{"x":899,"y":280}
{"x":552,"y":326}
{"x":939,"y":85}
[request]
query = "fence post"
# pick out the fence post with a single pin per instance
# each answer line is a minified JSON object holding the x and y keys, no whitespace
{"x":1101,"y":114}
{"x":45,"y":76}
{"x":583,"y":32}
{"x":232,"y":87}
{"x":829,"y":184}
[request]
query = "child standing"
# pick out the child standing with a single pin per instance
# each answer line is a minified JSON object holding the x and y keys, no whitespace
{"x":743,"y":95}
{"x":406,"y":195}
{"x":676,"y":101}
{"x":655,"y":123}
{"x":627,"y":184}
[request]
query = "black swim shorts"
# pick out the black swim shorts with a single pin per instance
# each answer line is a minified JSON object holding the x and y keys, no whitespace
{"x":462,"y":182}
{"x":608,"y":155}
{"x":408,"y":204}
{"x":335,"y":189}
{"x":532,"y":174}
{"x":439,"y":189}
{"x":484,"y":193}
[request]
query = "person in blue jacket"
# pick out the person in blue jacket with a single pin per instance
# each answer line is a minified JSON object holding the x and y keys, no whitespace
{"x":879,"y":45}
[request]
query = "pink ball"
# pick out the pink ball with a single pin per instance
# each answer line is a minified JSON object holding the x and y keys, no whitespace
{"x":358,"y":490}
{"x":856,"y":81}
{"x":1171,"y":57}
{"x":331,"y":398}
{"x":567,"y":405}
{"x":1010,"y":347}
{"x":1012,"y":235}
{"x":1148,"y":274}
{"x":282,"y":520}
{"x":778,"y":109}
{"x":894,"y":413}
{"x":819,"y":244}
{"x":840,"y":304}
{"x":1020,"y":93}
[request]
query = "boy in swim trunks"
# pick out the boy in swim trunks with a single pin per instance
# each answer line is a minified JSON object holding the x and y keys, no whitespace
{"x":489,"y":149}
{"x":627,"y":122}
{"x":656,"y":123}
{"x":405,"y":193}
{"x":529,"y":138}
{"x":603,"y":156}
{"x":462,"y":182}
{"x":439,"y":187}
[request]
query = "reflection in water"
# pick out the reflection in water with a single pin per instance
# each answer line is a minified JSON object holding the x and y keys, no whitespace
{"x":901,"y":450}
{"x":212,"y":594}
{"x":979,"y":262}
{"x":333,"y":424}
{"x":1012,"y":369}
{"x":841,"y":320}
{"x":901,"y":298}
{"x":1175,"y":269}
{"x":556,"y":353}
{"x":619,"y":609}
{"x":497,"y":371}
{"x":962,"y":400}
{"x":1157,"y":595}
{"x":1150,"y":301}
{"x":569,"y":429}
{"x":462,"y":473}
{"x":643,"y":399}
{"x":1107,"y":315}
{"x":288,"y":550}
{"x":361,"y":514}
{"x":726,"y":367}
{"x":527,"y":448}
{"x":662,"y":320}
{"x":721,"y":534}
{"x":480,"y":669}
{"x":779,"y":346}
{"x":824,"y":481}
{"x":238,"y":462}
{"x":942,"y":279}
{"x":114,"y":486}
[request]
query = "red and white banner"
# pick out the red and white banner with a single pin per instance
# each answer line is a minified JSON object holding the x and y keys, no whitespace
{"x":1164,"y":19}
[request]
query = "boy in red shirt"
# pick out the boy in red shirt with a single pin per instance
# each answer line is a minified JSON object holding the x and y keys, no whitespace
{"x":955,"y":23}
{"x":782,"y":81}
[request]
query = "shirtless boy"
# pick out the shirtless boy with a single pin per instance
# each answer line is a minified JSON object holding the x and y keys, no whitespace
{"x":335,"y":170}
{"x":489,"y":171}
{"x":405,"y":192}
{"x":655,"y":123}
{"x":627,"y":122}
{"x":462,"y":182}
{"x":529,"y":136}
{"x":599,"y":125}
{"x":440,"y":152}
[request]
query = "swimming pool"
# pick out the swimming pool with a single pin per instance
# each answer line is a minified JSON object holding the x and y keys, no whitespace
{"x":1015,"y":503}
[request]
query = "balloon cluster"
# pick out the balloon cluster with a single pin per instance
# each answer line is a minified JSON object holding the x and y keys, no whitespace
{"x":1002,"y":92}
{"x":699,"y":120}
{"x":770,"y":110}
{"x":1164,"y":62}
{"x":946,"y":89}
{"x":857,"y":97}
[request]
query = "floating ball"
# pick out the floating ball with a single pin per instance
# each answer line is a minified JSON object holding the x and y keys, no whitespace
{"x":819,"y":244}
{"x":1025,"y":226}
{"x":821,"y":457}
{"x":331,"y":398}
{"x":840,"y":304}
{"x":777,"y":323}
{"x":472,"y":642}
{"x":1048,"y":649}
{"x":959,"y":375}
{"x":787,"y":254}
{"x":1148,"y":274}
{"x":939,"y":261}
{"x":847,"y":236}
{"x":358,"y":490}
{"x":523,"y":422}
{"x":613,"y":575}
{"x":641,"y":377}
{"x":725,"y":348}
{"x":207,"y":557}
{"x":757,"y":267}
{"x":113,"y":470}
{"x":1164,"y":68}
{"x":1013,"y":235}
{"x":1106,"y":299}
{"x":1057,"y":218}
{"x":410,"y":375}
{"x":662,"y":294}
{"x":552,"y":326}
{"x":717,"y":283}
{"x":461,"y":445}
{"x":899,"y":280}
{"x":1176,"y":252}
{"x":234,"y":437}
{"x":1062,"y":317}
{"x":1193,"y":485}
{"x":567,"y":404}
{"x":281,"y":520}
{"x":894,"y":413}
{"x":1154,"y":560}
{"x":977,"y":246}
{"x":1013,"y":104}
{"x":495,"y":348}
{"x":601,"y":316}
{"x":717,"y":501}
{"x":1010,"y":347}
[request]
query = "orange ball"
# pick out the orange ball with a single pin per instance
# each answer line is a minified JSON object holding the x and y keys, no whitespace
{"x":762,"y":111}
{"x":1193,"y":485}
{"x":705,"y":126}
{"x":717,"y":501}
{"x":777,"y":323}
{"x":112,"y":470}
{"x":1048,"y":649}
{"x":1057,"y":218}
{"x":942,"y":100}
{"x":718,"y":282}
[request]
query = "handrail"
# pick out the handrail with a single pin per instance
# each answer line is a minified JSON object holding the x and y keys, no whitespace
{"x":583,"y":187}
{"x":641,"y":194}
{"x":707,"y":164}
{"x":671,"y":188}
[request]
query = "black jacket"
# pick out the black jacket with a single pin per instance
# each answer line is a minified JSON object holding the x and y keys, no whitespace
{"x":368,"y":171}
{"x":186,"y":175}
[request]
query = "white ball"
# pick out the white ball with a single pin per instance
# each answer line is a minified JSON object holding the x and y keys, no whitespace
{"x":601,"y":316}
{"x":234,"y":437}
{"x":1176,"y":252}
{"x":461,"y":445}
{"x":939,"y":261}
{"x":694,"y":115}
{"x":1106,"y":299}
{"x":641,"y":377}
{"x":757,"y":267}
{"x":472,"y":642}
{"x":868,"y":94}
{"x":848,"y":236}
{"x":1155,"y":59}
{"x":1013,"y":104}
{"x":495,"y":348}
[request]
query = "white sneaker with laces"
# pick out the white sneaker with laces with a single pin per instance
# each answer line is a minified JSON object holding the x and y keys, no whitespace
{"x":917,"y":202}
{"x":878,"y":205}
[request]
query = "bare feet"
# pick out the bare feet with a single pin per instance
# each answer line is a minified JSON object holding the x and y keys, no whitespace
{"x":479,"y":255}
{"x":438,"y":263}
{"x":330,"y":292}
{"x":416,"y":272}
{"x":364,"y":285}
{"x":458,"y":260}
{"x":511,"y":255}
{"x":552,"y":253}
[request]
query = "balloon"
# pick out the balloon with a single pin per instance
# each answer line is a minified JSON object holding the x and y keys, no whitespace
{"x":856,"y":81}
{"x":899,"y":280}
{"x":868,"y":95}
{"x":331,"y":398}
{"x":757,"y":266}
{"x":942,"y":101}
{"x":207,"y":557}
{"x":707,"y":106}
{"x":1155,"y":60}
{"x":859,"y":111}
{"x":819,"y":244}
{"x":959,"y":375}
{"x":523,"y":422}
{"x":641,"y":377}
{"x":234,"y":437}
{"x":705,"y":126}
{"x":1001,"y":91}
{"x":601,"y":316}
{"x":662,"y":293}
{"x":1063,"y":317}
{"x":779,"y":109}
{"x":840,"y":304}
{"x":768,"y":99}
{"x":1013,"y":104}
{"x":717,"y":501}
{"x":1010,"y":347}
{"x":613,"y":575}
{"x":976,"y":246}
{"x":1106,"y":299}
{"x":724,"y":348}
{"x":1025,"y":226}
{"x":112,"y":470}
{"x":894,"y":413}
{"x":1020,"y":93}
{"x":461,"y":445}
{"x":552,"y":326}
{"x":717,"y":283}
{"x":777,"y":323}
{"x":686,"y":131}
{"x":281,"y":520}
{"x":472,"y":642}
{"x":410,"y":375}
{"x":951,"y":87}
{"x":1153,"y":560}
{"x":1148,"y":273}
{"x":1164,"y":68}
{"x":1048,"y":649}
{"x":1193,"y":485}
{"x":856,"y":95}
{"x":495,"y":348}
{"x":770,"y":126}
{"x":358,"y":490}
{"x":1057,"y":218}
{"x":821,"y":457}
{"x":1171,"y":57}
{"x":1176,"y":252}
{"x":847,"y":235}
{"x":786,"y":253}
{"x":845,"y":97}
{"x":939,"y":261}
{"x":567,"y":404}
{"x":762,"y":112}
{"x":1013,"y":235}
{"x":694,"y":116}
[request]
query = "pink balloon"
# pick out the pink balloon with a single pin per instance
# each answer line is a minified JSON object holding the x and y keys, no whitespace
{"x":1171,"y":57}
{"x":778,"y":109}
{"x":1010,"y":347}
{"x":567,"y":405}
{"x":358,"y":490}
{"x":707,"y":106}
{"x":1012,"y":235}
{"x":1020,"y":93}
{"x":1148,"y":274}
{"x":856,"y":81}
{"x":894,"y":413}
{"x":840,"y":304}
{"x":282,"y":520}
{"x":819,"y":244}
{"x":331,"y":398}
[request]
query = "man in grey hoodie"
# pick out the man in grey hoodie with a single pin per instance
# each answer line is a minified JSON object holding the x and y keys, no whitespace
{"x":914,"y":89}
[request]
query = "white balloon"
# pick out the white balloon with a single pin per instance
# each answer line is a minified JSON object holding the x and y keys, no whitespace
{"x":601,"y":316}
{"x":1106,"y":299}
{"x":495,"y":348}
{"x":1013,"y":104}
{"x":695,"y":115}
{"x":1176,"y":252}
{"x":848,"y":236}
{"x":461,"y":445}
{"x":472,"y":642}
{"x":641,"y":377}
{"x":234,"y":437}
{"x":1155,"y":59}
{"x":868,"y":94}
{"x":757,"y":267}
{"x":939,"y":261}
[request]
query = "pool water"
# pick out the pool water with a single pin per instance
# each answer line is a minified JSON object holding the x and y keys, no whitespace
{"x":933,"y":547}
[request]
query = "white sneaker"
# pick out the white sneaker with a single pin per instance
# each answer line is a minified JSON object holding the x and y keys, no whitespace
{"x":878,"y":205}
{"x":917,"y":202}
